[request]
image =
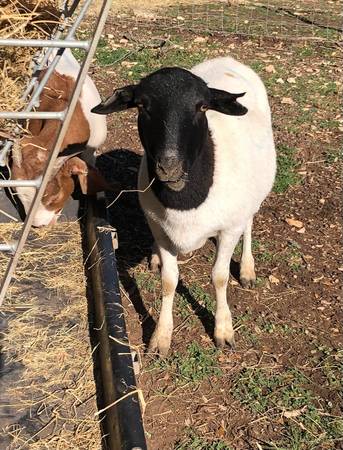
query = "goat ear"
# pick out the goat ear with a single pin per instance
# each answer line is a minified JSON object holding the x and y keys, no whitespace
{"x":90,"y":179}
{"x":70,"y":152}
{"x":226,"y":103}
{"x":122,"y":98}
{"x":75,"y":166}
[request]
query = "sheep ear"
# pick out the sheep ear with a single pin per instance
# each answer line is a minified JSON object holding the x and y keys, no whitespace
{"x":121,"y":99}
{"x":226,"y":103}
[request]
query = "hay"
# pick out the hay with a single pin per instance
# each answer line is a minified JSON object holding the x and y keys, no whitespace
{"x":47,"y":334}
{"x":22,"y":19}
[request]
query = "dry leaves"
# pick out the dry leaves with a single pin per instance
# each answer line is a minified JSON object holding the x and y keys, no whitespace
{"x":287,"y":101}
{"x":294,"y":413}
{"x":200,"y":39}
{"x":273,"y":279}
{"x":270,"y":68}
{"x":317,"y":279}
{"x":295,"y":223}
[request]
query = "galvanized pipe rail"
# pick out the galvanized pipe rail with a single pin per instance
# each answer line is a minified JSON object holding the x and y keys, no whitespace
{"x":65,"y":120}
{"x":17,"y":115}
{"x":58,"y":43}
{"x":34,"y":101}
{"x":41,"y":60}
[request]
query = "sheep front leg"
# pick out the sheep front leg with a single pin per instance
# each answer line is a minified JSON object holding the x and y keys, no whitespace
{"x":223,"y":331}
{"x":247,"y":270}
{"x":161,"y":339}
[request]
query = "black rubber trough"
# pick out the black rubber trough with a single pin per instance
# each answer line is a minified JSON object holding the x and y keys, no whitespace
{"x":122,"y":423}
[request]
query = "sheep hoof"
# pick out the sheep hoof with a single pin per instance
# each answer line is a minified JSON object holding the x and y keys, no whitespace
{"x":248,"y":283}
{"x":224,"y":337}
{"x":221,"y":343}
{"x":159,"y":344}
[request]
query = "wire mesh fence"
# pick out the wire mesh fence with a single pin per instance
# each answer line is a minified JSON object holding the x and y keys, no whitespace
{"x":314,"y":19}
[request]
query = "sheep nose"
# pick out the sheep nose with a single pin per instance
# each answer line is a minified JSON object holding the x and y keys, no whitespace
{"x":169,"y":169}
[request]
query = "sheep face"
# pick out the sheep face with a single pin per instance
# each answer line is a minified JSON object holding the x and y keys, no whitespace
{"x":172,"y":123}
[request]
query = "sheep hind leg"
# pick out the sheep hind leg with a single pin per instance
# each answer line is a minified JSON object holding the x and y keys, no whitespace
{"x":247,"y":268}
{"x":155,"y":259}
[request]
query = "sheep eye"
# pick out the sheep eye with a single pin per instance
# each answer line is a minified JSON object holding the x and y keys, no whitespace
{"x":203,"y":108}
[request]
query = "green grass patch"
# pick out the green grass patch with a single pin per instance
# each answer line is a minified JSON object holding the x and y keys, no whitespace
{"x":146,"y":281}
{"x":140,"y":62}
{"x":293,"y":256}
{"x":329,"y":124}
{"x":333,"y":156}
{"x":260,"y":282}
{"x":183,"y":308}
{"x":148,"y":60}
{"x":202,"y":297}
{"x":196,"y":364}
{"x":260,"y":250}
{"x":261,"y":391}
{"x":106,"y":56}
{"x":331,"y":363}
{"x":250,"y":337}
{"x":257,"y":66}
{"x":195,"y":442}
{"x":328,"y":88}
{"x":305,"y":51}
{"x":244,"y":324}
{"x":270,"y":327}
{"x":286,"y":169}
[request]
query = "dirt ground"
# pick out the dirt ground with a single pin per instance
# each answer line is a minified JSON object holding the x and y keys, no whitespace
{"x":280,"y":389}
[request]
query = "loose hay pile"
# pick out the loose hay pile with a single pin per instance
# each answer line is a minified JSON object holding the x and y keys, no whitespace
{"x":48,"y":358}
{"x":21,"y":19}
{"x":48,"y":395}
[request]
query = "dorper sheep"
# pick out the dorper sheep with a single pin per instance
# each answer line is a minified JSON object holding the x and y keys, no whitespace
{"x":86,"y":130}
{"x":210,"y":160}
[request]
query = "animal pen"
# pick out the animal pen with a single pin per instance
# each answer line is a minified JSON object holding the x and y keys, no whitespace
{"x":201,"y":24}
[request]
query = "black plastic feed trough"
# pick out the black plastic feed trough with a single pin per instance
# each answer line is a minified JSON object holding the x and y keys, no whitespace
{"x":123,"y":423}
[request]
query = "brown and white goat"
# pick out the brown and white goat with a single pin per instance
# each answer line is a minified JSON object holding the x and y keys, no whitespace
{"x":85,"y":131}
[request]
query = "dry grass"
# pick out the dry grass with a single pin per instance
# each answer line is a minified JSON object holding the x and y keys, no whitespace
{"x":47,"y":335}
{"x":144,"y":7}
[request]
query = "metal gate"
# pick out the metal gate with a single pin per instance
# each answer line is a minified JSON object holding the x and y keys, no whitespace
{"x":61,"y":39}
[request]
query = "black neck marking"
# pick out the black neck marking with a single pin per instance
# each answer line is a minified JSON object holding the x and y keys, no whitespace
{"x":199,"y":181}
